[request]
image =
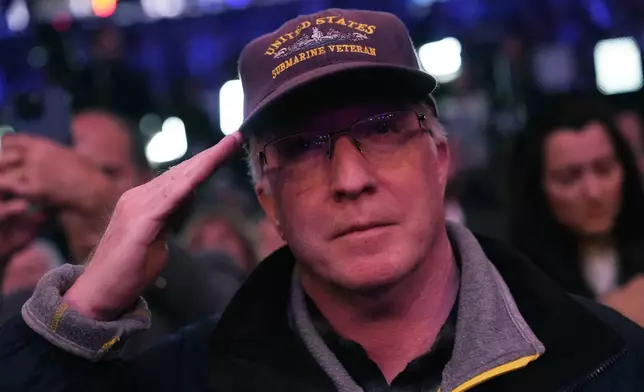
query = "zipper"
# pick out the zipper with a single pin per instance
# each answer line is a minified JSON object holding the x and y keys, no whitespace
{"x":597,"y":372}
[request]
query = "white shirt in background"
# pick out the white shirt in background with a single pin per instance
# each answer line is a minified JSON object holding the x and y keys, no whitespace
{"x":601,"y":270}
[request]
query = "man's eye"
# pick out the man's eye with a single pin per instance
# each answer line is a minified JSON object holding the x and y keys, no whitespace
{"x":299,"y":146}
{"x":383,"y":128}
{"x":387,"y":127}
{"x":313,"y":143}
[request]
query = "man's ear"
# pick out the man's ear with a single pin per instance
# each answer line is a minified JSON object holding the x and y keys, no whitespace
{"x":269,"y":205}
{"x":442,"y":163}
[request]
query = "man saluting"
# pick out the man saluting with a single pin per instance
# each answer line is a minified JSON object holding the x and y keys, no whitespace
{"x":374,"y":291}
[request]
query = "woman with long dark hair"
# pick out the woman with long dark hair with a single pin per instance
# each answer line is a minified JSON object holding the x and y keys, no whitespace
{"x":576,"y":201}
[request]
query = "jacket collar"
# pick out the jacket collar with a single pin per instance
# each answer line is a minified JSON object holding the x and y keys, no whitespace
{"x":255,"y":329}
{"x":491,"y":335}
{"x":577,"y":343}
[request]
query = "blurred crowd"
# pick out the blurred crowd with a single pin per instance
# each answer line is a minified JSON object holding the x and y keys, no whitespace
{"x":574,"y":202}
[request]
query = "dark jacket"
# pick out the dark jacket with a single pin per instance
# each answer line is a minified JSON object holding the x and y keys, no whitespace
{"x":11,"y":304}
{"x":252,"y":347}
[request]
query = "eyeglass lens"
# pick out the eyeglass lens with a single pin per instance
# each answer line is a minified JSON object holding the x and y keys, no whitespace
{"x":376,"y":138}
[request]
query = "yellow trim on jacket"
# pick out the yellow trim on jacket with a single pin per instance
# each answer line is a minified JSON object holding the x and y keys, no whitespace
{"x":494,"y":372}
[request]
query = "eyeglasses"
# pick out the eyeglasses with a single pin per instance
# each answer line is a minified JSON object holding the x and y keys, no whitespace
{"x":376,"y":137}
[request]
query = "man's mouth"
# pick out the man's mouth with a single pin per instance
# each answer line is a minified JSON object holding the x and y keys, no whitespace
{"x":361,"y":228}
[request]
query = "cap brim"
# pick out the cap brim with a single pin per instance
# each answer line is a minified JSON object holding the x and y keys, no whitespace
{"x":415,"y":80}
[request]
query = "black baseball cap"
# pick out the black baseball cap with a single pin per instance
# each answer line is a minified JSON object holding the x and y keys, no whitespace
{"x":320,"y":47}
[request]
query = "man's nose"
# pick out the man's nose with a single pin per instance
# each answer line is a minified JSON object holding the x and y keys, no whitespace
{"x":351,"y":174}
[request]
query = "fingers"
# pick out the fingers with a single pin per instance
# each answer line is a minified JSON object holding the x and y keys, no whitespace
{"x":173,"y":186}
{"x":10,"y":158}
{"x":13,"y":141}
{"x":12,"y":151}
{"x":165,"y":194}
{"x":14,"y":240}
{"x":13,"y":182}
{"x":198,"y":168}
{"x":13,"y":208}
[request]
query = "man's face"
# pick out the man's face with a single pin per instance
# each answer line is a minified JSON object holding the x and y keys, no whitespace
{"x":583,"y":180}
{"x":360,"y":220}
{"x":101,"y":139}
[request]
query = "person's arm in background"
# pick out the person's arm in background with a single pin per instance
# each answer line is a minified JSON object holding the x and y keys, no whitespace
{"x":84,"y":213}
{"x":18,"y":227}
{"x":85,"y":222}
{"x":28,"y":266}
{"x":82,"y":314}
{"x":62,"y":180}
{"x":22,"y":273}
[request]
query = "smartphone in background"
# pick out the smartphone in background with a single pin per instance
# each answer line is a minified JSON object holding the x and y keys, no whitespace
{"x":46,"y":113}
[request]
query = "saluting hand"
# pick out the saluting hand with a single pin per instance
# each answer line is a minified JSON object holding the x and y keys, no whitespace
{"x":133,"y":251}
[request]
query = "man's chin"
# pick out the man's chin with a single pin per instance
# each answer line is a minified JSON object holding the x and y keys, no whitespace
{"x":373,"y":281}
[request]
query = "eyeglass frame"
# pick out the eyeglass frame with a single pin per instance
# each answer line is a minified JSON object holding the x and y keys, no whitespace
{"x":420,"y":117}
